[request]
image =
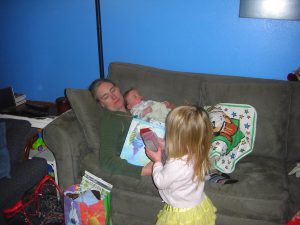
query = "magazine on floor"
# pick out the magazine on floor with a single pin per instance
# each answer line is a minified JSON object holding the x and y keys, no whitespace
{"x":91,"y":182}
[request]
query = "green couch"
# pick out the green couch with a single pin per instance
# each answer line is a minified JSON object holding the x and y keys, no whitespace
{"x":264,"y":195}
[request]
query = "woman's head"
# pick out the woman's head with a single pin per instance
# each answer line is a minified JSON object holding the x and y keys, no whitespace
{"x":107,"y":94}
{"x":189,"y":132}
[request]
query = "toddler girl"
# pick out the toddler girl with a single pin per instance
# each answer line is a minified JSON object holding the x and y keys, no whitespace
{"x":181,"y":180}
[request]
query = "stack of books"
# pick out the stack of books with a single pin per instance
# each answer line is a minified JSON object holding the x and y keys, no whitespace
{"x":20,"y":99}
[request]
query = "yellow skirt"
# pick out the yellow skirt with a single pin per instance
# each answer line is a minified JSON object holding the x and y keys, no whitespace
{"x":202,"y":214}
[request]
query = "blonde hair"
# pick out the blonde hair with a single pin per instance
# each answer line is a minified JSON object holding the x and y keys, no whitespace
{"x":189,"y":132}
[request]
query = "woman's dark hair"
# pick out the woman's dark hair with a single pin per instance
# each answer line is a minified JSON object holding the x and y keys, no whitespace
{"x":95,"y":85}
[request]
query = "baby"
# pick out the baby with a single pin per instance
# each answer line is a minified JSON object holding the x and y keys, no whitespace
{"x":146,"y":110}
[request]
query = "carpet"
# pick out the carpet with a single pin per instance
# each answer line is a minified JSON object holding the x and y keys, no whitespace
{"x":51,"y":209}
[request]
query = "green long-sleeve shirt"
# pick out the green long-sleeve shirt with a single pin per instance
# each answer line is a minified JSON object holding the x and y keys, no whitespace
{"x":113,"y":131}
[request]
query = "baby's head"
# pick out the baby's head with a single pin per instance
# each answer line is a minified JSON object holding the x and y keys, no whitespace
{"x":132,"y":97}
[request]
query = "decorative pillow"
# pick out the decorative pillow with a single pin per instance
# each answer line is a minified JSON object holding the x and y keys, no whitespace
{"x":88,"y":113}
{"x":4,"y":155}
{"x":234,"y":127}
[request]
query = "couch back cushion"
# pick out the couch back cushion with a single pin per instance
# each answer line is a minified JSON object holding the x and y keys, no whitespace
{"x":270,"y":98}
{"x":156,"y":84}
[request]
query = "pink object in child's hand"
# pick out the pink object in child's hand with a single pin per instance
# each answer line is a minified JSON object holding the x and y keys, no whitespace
{"x":150,"y":139}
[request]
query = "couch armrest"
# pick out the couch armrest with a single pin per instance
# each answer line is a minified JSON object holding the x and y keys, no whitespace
{"x":65,"y":139}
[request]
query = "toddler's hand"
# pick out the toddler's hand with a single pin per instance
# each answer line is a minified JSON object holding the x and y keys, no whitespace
{"x":154,"y":156}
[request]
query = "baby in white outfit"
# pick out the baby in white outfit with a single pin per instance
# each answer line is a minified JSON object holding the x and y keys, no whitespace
{"x":146,"y":109}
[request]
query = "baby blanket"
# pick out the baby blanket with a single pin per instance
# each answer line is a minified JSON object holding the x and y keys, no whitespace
{"x":234,"y":127}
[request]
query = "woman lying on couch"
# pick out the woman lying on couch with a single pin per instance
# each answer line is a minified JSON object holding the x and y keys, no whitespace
{"x":115,"y":123}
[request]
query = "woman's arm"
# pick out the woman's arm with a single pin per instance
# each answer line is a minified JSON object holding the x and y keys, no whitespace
{"x":114,"y":128}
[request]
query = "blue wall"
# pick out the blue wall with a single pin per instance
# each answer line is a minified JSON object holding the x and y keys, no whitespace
{"x":47,"y":46}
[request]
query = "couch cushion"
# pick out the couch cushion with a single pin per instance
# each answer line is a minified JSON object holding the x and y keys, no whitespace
{"x":142,"y":185}
{"x":4,"y":155}
{"x":260,"y":195}
{"x":270,"y":99}
{"x":261,"y":192}
{"x":88,"y":113}
{"x":232,"y":220}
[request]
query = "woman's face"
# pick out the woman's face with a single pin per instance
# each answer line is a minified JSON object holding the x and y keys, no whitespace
{"x":110,"y":97}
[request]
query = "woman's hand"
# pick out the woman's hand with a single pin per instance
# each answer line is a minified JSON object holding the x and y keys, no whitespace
{"x":169,"y":105}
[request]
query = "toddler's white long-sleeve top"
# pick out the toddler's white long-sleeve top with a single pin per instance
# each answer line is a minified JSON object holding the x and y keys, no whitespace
{"x":175,"y":183}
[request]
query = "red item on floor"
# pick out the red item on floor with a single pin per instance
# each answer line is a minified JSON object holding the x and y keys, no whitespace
{"x":295,"y":220}
{"x":34,"y":198}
